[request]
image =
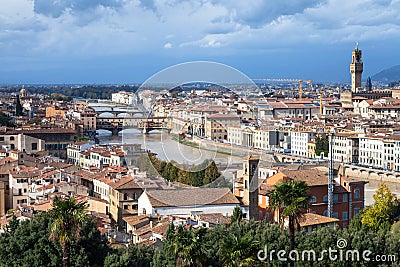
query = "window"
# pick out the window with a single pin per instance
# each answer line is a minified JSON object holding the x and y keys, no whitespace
{"x":12,"y":138}
{"x":344,"y":197}
{"x":335,"y":198}
{"x":357,"y":193}
{"x":344,"y":225}
{"x":34,"y":146}
{"x":325,"y":213}
{"x":313,"y":199}
{"x":144,"y":211}
{"x":126,"y":207}
{"x":326,"y":198}
{"x":345,"y":215}
{"x":336,"y":215}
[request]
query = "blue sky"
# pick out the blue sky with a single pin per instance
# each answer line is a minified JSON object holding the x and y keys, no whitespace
{"x":127,"y":41}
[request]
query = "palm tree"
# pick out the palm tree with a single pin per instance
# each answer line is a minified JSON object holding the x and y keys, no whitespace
{"x":186,"y":246}
{"x":291,"y":200}
{"x":239,"y":250}
{"x":68,"y":216}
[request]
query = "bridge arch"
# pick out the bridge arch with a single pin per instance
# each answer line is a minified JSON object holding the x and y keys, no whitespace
{"x":106,"y":114}
{"x":121,"y":115}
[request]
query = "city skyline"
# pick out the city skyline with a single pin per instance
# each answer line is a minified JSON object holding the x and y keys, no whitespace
{"x":115,"y":41}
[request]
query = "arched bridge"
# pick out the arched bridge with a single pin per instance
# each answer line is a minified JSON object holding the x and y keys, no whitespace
{"x":119,"y":112}
{"x":145,"y":124}
{"x":368,"y":173}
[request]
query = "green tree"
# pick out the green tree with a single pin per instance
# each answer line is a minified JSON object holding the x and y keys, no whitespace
{"x":12,"y":225}
{"x":30,"y":245}
{"x":381,"y":215}
{"x":321,"y":145}
{"x":5,"y":120}
{"x":185,"y":246}
{"x":211,"y":173}
{"x":291,"y":200}
{"x":132,"y":256}
{"x":239,"y":250}
{"x":237,"y":215}
{"x":69,"y":216}
{"x":18,"y":107}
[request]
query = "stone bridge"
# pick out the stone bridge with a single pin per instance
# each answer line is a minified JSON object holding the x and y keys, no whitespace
{"x":119,"y":113}
{"x":369,"y":173}
{"x":145,"y":124}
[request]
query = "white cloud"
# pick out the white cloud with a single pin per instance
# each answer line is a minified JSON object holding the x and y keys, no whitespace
{"x":168,"y":46}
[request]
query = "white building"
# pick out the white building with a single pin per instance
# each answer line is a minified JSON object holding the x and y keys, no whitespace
{"x":299,"y":142}
{"x":185,"y":201}
{"x":122,"y":97}
{"x":379,"y":151}
{"x":22,"y":142}
{"x":346,"y":148}
{"x":101,"y":188}
{"x":73,"y":151}
{"x":19,"y":186}
{"x":251,"y":136}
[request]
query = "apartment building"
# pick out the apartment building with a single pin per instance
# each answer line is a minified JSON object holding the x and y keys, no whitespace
{"x":98,"y":157}
{"x":301,"y":109}
{"x":346,"y":148}
{"x":216,"y":125}
{"x":73,"y":151}
{"x":300,"y":141}
{"x":378,"y":151}
{"x":124,"y":194}
{"x":21,"y":142}
{"x":251,"y":136}
{"x":122,"y":97}
{"x":348,"y":198}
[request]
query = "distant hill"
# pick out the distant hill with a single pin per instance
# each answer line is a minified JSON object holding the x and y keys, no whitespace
{"x":388,"y":75}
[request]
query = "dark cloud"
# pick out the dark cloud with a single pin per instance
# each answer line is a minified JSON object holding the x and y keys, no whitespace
{"x":55,"y":8}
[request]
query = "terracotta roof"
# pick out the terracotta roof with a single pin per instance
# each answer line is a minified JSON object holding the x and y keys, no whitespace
{"x":312,"y":177}
{"x":226,"y":116}
{"x":125,"y":183}
{"x":135,"y":219}
{"x":42,"y":131}
{"x":161,"y":228}
{"x":315,"y":219}
{"x":191,"y":197}
{"x":7,"y":160}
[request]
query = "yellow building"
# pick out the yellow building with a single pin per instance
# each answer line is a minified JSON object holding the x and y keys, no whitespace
{"x":124,"y":194}
{"x":52,"y":112}
{"x":311,"y":149}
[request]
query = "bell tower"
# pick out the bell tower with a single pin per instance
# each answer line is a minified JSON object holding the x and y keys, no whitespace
{"x":356,"y":69}
{"x":250,"y":181}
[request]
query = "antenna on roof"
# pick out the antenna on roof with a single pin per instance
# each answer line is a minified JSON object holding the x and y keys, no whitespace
{"x":330,"y":174}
